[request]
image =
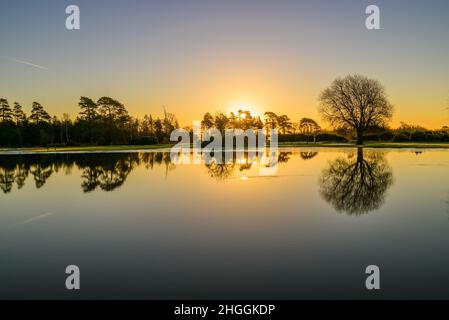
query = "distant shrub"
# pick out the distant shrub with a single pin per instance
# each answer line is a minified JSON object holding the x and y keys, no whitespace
{"x":296,"y":137}
{"x":419,"y":136}
{"x":10,"y":138}
{"x":139,"y":141}
{"x":371,"y":137}
{"x":386,"y":136}
{"x":326,"y":136}
{"x":320,"y":137}
{"x":400,"y":137}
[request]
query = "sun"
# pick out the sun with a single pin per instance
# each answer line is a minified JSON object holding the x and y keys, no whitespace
{"x":235,"y":107}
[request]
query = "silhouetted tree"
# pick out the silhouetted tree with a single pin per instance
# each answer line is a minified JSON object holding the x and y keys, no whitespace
{"x":158,"y":130}
{"x":170,"y":123}
{"x":38,"y":114}
{"x":18,"y":114}
{"x":258,"y":124}
{"x":147,"y":126}
{"x":88,"y":109}
{"x":112,"y":110}
{"x":357,"y":102}
{"x":309,"y":127}
{"x":5,"y":111}
{"x":284,"y":123}
{"x":221,"y":122}
{"x":208,"y":121}
{"x":271,"y":120}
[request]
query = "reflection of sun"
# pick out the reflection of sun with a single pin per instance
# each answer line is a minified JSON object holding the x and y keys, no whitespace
{"x":242,"y":161}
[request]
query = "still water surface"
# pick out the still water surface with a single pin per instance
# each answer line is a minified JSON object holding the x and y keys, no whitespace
{"x":139,"y":226}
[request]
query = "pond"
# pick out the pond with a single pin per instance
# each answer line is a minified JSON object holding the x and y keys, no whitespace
{"x":140,"y":226}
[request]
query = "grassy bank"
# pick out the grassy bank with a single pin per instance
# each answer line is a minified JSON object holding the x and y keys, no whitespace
{"x":440,"y":145}
{"x":88,"y":148}
{"x":444,"y":145}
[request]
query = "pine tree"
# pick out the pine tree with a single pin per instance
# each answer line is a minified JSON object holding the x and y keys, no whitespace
{"x":112,"y":110}
{"x":5,"y":111}
{"x":18,"y":114}
{"x":88,"y":109}
{"x":38,"y":114}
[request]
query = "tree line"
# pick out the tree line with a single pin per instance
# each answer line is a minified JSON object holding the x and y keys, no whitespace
{"x":243,"y":120}
{"x":102,"y":122}
{"x":357,"y":108}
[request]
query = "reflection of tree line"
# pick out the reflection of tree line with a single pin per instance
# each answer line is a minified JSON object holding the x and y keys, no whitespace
{"x":354,"y":184}
{"x":225,"y":170}
{"x":12,"y":171}
{"x":104,"y":171}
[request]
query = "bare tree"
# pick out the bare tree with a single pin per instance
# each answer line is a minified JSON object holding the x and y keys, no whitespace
{"x":356,"y":102}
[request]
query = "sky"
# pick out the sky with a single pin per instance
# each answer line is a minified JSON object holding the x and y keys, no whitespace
{"x":193,"y":56}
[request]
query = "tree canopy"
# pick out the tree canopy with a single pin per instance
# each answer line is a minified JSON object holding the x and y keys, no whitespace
{"x":356,"y":102}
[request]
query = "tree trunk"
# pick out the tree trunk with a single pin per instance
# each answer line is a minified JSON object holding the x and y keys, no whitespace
{"x":359,"y":155}
{"x":359,"y":137}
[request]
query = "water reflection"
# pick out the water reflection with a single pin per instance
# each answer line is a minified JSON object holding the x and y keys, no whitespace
{"x":107,"y":171}
{"x":220,"y":171}
{"x":356,"y":184}
{"x":104,"y":171}
{"x":307,"y":155}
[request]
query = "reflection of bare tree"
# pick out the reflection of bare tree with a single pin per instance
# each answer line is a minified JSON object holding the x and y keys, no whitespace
{"x":356,"y":186}
{"x":307,"y":155}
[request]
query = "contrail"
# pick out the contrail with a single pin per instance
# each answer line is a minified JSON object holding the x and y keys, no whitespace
{"x":42,"y":216}
{"x":28,"y":63}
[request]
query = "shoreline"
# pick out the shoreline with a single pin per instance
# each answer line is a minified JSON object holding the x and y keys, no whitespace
{"x":164,"y":147}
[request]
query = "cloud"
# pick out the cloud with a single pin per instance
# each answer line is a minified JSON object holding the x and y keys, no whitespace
{"x":28,"y":63}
